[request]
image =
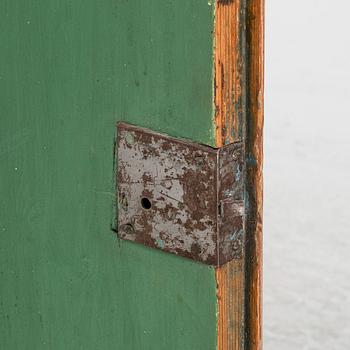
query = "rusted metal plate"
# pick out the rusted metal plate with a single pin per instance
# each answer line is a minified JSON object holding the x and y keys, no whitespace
{"x":231,"y":202}
{"x":179,"y":196}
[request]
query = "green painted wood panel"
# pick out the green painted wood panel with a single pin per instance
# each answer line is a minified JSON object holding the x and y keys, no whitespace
{"x":69,"y":70}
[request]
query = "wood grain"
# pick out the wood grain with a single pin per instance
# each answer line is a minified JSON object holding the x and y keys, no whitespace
{"x":228,"y":71}
{"x":228,"y":118}
{"x":230,"y":293}
{"x":239,"y":41}
{"x":254,"y":154}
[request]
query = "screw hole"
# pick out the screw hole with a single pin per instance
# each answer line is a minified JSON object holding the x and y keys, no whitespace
{"x":146,"y":203}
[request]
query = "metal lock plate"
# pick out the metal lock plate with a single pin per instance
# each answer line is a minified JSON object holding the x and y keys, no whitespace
{"x":178,"y":196}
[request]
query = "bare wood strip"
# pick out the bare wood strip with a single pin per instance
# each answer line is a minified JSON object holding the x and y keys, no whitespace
{"x":230,"y":281}
{"x":228,"y":72}
{"x":239,"y":43}
{"x":228,"y":108}
{"x":254,"y":153}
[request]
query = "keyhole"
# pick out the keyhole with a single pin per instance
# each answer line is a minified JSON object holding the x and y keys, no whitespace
{"x":146,"y":203}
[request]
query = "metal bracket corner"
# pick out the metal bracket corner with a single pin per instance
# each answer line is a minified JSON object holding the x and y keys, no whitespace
{"x":179,"y":196}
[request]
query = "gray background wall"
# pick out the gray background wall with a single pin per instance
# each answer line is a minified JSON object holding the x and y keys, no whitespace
{"x":307,"y":175}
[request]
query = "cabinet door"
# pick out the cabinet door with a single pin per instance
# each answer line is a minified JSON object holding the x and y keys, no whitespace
{"x":69,"y":71}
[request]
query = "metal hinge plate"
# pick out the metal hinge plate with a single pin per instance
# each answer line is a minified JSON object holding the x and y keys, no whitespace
{"x":179,"y":196}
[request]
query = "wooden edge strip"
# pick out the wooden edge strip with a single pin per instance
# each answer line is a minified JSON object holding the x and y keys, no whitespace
{"x":238,"y":98}
{"x":228,"y":72}
{"x":254,"y":156}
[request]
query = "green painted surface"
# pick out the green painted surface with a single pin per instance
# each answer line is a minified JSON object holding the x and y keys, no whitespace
{"x":69,"y":70}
